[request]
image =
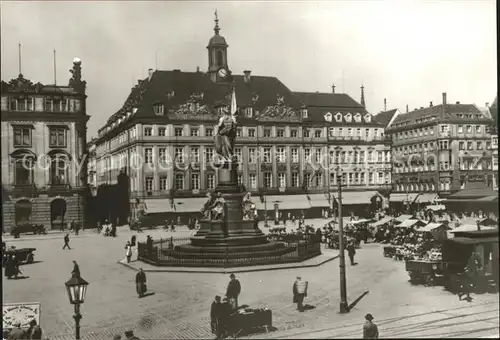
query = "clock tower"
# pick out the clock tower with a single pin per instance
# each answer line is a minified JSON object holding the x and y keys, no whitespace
{"x":217,"y":55}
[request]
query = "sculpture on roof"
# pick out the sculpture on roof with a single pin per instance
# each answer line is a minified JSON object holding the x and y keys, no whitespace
{"x":76,"y":81}
{"x":279,"y":110}
{"x":23,"y":85}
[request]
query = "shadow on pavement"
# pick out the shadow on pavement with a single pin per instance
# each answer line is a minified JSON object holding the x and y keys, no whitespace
{"x":355,"y":302}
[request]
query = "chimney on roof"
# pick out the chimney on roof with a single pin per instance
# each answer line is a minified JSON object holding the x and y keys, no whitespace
{"x":444,"y":98}
{"x":385,"y":104}
{"x":333,"y":88}
{"x":406,"y":108}
{"x":247,"y":76}
{"x":197,"y":69}
{"x":150,"y":73}
{"x":421,"y":107}
{"x":457,"y":103}
{"x":430,"y":104}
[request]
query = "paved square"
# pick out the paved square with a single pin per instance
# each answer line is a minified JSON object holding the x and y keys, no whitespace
{"x":180,"y":306}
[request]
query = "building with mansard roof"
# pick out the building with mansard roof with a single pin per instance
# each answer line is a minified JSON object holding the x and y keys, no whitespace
{"x":437,"y":149}
{"x":163,"y":136}
{"x":43,"y":151}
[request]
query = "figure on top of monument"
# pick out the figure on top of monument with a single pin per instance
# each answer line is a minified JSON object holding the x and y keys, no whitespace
{"x":226,"y":130}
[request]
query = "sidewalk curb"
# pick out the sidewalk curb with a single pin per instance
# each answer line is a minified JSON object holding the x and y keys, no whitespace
{"x":199,"y":270}
{"x":47,"y":237}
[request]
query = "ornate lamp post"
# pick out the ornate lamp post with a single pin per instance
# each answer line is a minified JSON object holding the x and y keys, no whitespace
{"x":76,"y":288}
{"x":344,"y":307}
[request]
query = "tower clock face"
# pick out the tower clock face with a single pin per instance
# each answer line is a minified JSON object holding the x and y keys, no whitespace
{"x":222,"y":73}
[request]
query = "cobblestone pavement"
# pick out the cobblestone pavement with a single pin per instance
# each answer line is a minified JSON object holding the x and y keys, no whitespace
{"x":180,"y":306}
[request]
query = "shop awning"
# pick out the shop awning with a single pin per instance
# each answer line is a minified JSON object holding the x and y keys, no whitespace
{"x":409,"y":223}
{"x":358,"y":197}
{"x":435,"y":207}
{"x":426,"y":198}
{"x":382,"y":221}
{"x":470,"y":227}
{"x":430,"y":227}
{"x":319,"y":201}
{"x":402,"y":218}
{"x":157,"y":205}
{"x":469,"y":240}
{"x":355,"y":222}
{"x":185,"y":205}
{"x":285,"y":202}
{"x":488,"y":199}
{"x":402,"y":197}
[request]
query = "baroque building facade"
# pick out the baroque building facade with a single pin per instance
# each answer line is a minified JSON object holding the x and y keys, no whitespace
{"x":438,"y":149}
{"x":290,"y":145}
{"x":43,"y":151}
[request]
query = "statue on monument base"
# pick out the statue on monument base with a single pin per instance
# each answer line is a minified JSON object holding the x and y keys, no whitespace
{"x":213,"y":209}
{"x":249,"y":209}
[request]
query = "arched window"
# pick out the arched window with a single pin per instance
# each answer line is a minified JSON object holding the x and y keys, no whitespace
{"x":24,"y":164}
{"x":59,"y":167}
{"x":219,"y":56}
{"x":57,"y":212}
{"x":23,"y":210}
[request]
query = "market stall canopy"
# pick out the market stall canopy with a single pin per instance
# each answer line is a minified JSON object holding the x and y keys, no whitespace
{"x":484,"y":221}
{"x":488,"y":199}
{"x":435,"y":207}
{"x":382,"y":221}
{"x":285,"y":202}
{"x":410,"y":197}
{"x":478,"y":240}
{"x":358,"y":197}
{"x":473,"y":190}
{"x":470,"y":227}
{"x":430,"y":227}
{"x":426,"y":198}
{"x":360,"y":221}
{"x":402,"y":218}
{"x":319,"y":201}
{"x":410,"y":223}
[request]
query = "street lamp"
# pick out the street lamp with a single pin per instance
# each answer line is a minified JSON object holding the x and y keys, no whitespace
{"x":76,"y":288}
{"x":344,"y":307}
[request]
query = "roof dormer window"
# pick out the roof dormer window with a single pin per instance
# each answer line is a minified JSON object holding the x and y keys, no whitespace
{"x":159,"y":109}
{"x":368,"y":118}
{"x":249,"y":112}
{"x":303,"y":113}
{"x":348,"y":117}
{"x":357,"y":117}
{"x":338,"y":117}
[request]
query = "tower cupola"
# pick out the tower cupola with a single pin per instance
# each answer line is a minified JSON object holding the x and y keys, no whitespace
{"x":217,"y":54}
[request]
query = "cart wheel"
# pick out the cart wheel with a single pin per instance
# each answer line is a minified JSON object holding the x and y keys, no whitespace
{"x":30,"y":258}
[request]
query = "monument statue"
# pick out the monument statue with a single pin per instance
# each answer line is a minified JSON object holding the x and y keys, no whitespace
{"x":225,"y":134}
{"x":248,"y":207}
{"x":206,"y":210}
{"x":216,"y":207}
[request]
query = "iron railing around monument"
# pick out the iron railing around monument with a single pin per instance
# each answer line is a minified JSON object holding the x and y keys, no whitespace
{"x":295,"y":248}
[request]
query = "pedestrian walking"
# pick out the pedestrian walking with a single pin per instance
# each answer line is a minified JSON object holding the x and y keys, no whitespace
{"x":140,"y":283}
{"x":299,"y":293}
{"x":233,"y":291}
{"x":351,"y":251}
{"x":76,"y":227}
{"x":129,"y":335}
{"x":34,"y":332}
{"x":128,"y":251}
{"x":66,"y":242}
{"x":215,"y":314}
{"x":370,"y":330}
{"x":76,"y":270}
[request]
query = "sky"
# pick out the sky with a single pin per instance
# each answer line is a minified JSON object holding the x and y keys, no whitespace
{"x":408,"y":52}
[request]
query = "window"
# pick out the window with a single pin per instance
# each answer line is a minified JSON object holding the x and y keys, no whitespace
{"x":478,"y":129}
{"x":304,"y":113}
{"x":179,"y":155}
{"x":362,"y":178}
{"x":268,"y":180}
{"x":209,"y":132}
{"x":252,"y":179}
{"x":367,"y":133}
{"x":239,"y":155}
{"x":179,"y":181}
{"x":294,"y":133}
{"x":387,"y":156}
{"x":443,"y":144}
{"x":281,"y":180}
{"x":178,"y":132}
{"x":307,"y":155}
{"x":381,"y":177}
{"x":23,"y":172}
{"x":162,"y":155}
{"x":149,"y":184}
{"x":267,"y":155}
{"x":195,"y":181}
{"x":317,"y":134}
{"x":252,"y":155}
{"x":280,"y":153}
{"x":306,"y":133}
{"x":248,"y":112}
{"x":159,"y":109}
{"x":295,"y":180}
{"x":251,"y":132}
{"x":444,"y":128}
{"x":280,"y":133}
{"x":148,"y":155}
{"x":57,"y":137}
{"x":210,"y":181}
{"x":461,"y":145}
{"x":22,"y":104}
{"x":331,"y":157}
{"x":240,"y":179}
{"x":460,"y":129}
{"x":162,"y":131}
{"x":317,"y":155}
{"x":356,"y":178}
{"x":239,"y":132}
{"x":195,"y":155}
{"x":163,"y":183}
{"x":358,"y":132}
{"x":209,"y":154}
{"x":22,"y":137}
{"x":349,"y":132}
{"x":295,"y":155}
{"x":307,"y":180}
{"x":469,"y":146}
{"x":195,"y":132}
{"x":267,"y":133}
{"x":343,"y":157}
{"x":488,"y":146}
{"x":361,"y":157}
{"x":148,"y":131}
{"x":370,"y":156}
{"x":469,"y":129}
{"x":319,"y":179}
{"x":351,"y":181}
{"x":341,"y":132}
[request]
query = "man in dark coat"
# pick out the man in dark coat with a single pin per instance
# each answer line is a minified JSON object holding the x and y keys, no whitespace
{"x":17,"y":333}
{"x":225,"y":311}
{"x":66,"y":242}
{"x":233,"y":291}
{"x":370,"y":330}
{"x":129,"y":335}
{"x":299,"y":291}
{"x":351,"y":251}
{"x":215,"y":315}
{"x":76,"y":270}
{"x":34,"y":332}
{"x":140,"y":282}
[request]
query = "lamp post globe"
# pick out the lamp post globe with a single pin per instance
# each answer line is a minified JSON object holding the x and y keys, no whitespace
{"x":76,"y":288}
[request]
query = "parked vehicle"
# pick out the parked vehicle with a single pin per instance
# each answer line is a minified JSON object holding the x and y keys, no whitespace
{"x":23,"y":255}
{"x":427,"y":272}
{"x":28,"y":228}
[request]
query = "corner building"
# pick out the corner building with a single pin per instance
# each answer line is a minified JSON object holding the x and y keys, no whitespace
{"x":43,"y":146}
{"x":283,"y":137}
